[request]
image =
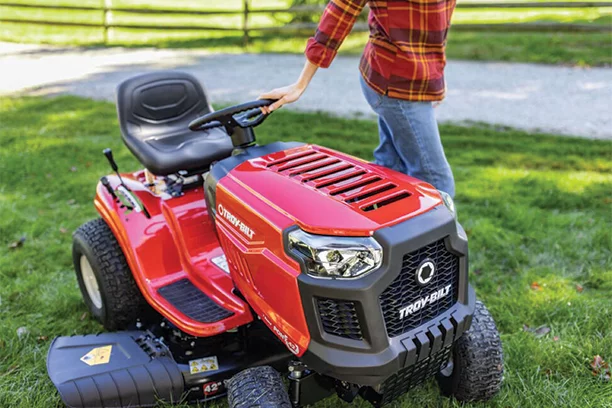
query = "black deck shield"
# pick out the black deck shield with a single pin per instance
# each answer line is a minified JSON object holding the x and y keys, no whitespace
{"x":137,"y":369}
{"x":113,"y":370}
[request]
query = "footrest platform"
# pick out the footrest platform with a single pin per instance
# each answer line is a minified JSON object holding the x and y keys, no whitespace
{"x":192,"y":302}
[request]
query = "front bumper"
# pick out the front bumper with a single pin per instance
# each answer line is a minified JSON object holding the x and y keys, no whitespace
{"x":373,"y":348}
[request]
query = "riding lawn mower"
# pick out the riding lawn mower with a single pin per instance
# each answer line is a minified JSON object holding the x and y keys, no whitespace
{"x":278,"y":275}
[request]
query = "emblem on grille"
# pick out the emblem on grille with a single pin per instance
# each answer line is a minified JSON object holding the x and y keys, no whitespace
{"x":424,"y":301}
{"x":425,"y":272}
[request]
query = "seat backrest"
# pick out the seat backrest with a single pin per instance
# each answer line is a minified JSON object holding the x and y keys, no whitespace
{"x":159,"y":104}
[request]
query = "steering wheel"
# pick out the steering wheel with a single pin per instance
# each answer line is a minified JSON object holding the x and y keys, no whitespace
{"x":246,"y":115}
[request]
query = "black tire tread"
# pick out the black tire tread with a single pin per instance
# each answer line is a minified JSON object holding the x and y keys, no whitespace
{"x":257,"y":387}
{"x":478,"y":361}
{"x":122,"y":299}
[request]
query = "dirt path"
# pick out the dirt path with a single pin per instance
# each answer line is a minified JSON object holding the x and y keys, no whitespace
{"x":561,"y":100}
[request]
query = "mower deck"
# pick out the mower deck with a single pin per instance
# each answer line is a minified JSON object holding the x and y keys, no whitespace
{"x":140,"y":368}
{"x":176,"y":258}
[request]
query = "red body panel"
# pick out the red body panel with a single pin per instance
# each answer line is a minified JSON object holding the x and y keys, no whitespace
{"x":330,"y":193}
{"x":323,"y":192}
{"x":262,"y":272}
{"x":177,"y":242}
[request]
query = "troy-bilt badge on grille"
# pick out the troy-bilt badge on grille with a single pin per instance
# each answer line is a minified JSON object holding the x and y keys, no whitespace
{"x":425,"y":272}
{"x":424,"y":301}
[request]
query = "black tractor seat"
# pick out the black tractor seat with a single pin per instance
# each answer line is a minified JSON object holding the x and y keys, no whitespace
{"x":154,"y":112}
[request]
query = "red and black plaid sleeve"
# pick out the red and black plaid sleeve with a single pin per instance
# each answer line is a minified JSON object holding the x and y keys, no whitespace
{"x":336,"y":23}
{"x":405,"y":54}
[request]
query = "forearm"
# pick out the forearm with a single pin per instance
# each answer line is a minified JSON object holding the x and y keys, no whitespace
{"x":292,"y":92}
{"x":307,"y":74}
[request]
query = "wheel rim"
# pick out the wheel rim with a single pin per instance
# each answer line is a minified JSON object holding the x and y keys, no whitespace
{"x":91,"y":283}
{"x":447,"y":371}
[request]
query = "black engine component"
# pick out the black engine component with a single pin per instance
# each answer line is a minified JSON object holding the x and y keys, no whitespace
{"x":307,"y":387}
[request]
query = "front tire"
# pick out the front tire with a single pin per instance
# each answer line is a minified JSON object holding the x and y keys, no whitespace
{"x":104,"y":277}
{"x":476,"y":369}
{"x":257,"y":387}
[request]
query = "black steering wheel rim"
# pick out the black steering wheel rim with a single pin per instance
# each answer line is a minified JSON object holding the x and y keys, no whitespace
{"x":230,"y":118}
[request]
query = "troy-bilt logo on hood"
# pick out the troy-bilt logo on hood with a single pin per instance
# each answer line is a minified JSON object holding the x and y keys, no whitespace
{"x":424,"y":301}
{"x":235,"y":221}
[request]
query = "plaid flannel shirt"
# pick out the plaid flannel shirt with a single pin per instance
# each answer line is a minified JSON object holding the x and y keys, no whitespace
{"x":405,"y":54}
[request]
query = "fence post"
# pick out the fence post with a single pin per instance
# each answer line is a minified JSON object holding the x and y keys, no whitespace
{"x":245,"y":24}
{"x":108,"y":17}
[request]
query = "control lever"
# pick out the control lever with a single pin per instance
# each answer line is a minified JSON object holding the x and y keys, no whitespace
{"x":111,"y":160}
{"x":108,"y":187}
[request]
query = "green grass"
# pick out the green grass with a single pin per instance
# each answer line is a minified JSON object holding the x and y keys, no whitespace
{"x":593,"y":49}
{"x":536,"y":208}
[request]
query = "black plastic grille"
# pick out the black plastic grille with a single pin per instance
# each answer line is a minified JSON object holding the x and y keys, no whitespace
{"x":405,"y":290}
{"x":192,"y":302}
{"x":338,"y":317}
{"x":409,"y":377}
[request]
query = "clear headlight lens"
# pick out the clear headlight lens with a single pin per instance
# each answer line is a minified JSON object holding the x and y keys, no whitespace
{"x":448,"y":202}
{"x":336,"y":257}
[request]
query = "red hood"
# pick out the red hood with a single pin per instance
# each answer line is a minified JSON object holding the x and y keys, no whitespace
{"x":328,"y":192}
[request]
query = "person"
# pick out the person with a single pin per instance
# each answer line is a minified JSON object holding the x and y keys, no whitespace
{"x":402,"y":75}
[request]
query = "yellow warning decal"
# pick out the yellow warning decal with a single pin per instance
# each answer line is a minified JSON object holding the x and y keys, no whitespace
{"x":202,"y":365}
{"x":99,"y":355}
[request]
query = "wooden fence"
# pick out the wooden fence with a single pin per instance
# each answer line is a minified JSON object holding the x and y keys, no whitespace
{"x":106,"y":23}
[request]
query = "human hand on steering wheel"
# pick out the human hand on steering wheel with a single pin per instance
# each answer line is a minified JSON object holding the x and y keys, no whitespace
{"x":246,"y":115}
{"x":290,"y":93}
{"x":284,"y":95}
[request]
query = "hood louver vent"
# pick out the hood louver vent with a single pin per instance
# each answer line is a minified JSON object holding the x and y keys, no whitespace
{"x":386,"y":201}
{"x":342,"y":180}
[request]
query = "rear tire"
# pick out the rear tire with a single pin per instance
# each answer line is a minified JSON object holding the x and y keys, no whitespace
{"x":477,"y":367}
{"x":257,"y":387}
{"x":104,"y":277}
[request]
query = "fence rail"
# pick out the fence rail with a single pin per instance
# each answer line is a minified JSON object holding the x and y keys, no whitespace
{"x":310,"y":8}
{"x":107,"y":10}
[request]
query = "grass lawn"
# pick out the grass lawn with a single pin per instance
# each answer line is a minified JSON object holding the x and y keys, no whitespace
{"x":536,"y":209}
{"x":545,"y":47}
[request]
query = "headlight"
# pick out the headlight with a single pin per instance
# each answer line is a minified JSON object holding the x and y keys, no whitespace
{"x":336,"y":257}
{"x":448,"y":202}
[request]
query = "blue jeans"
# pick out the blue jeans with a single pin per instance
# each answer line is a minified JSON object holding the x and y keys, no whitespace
{"x":409,"y":139}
